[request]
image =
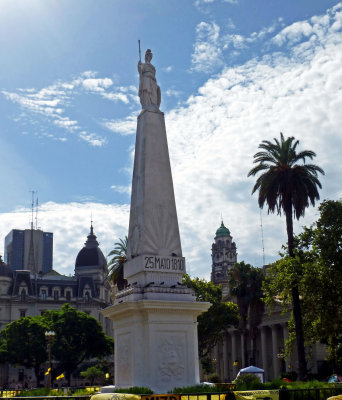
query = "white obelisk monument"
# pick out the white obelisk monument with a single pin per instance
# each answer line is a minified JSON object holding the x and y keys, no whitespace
{"x":155,"y":316}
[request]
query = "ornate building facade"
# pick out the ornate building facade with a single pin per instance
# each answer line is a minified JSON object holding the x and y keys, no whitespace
{"x":24,"y":293}
{"x":224,"y":256}
{"x":271,"y":334}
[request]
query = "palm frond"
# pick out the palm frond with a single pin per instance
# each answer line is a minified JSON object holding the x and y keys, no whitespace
{"x":282,"y":181}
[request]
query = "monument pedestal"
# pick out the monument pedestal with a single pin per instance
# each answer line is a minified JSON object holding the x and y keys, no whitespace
{"x":156,"y":343}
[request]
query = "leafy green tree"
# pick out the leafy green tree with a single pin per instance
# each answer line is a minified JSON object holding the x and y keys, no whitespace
{"x":214,"y":323}
{"x":317,"y":268}
{"x":287,"y":185}
{"x":78,"y":337}
{"x":117,"y":262}
{"x":92,"y":373}
{"x":245,"y":283}
{"x":321,"y":256}
{"x":22,"y":342}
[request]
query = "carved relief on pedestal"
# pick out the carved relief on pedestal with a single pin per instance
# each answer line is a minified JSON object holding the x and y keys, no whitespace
{"x":171,"y":365}
{"x":124,"y":358}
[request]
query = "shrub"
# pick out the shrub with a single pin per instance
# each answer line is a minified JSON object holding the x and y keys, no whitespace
{"x":135,"y":390}
{"x":196,"y":389}
{"x":40,"y":392}
{"x":214,"y":378}
{"x":275,"y":384}
{"x":290,"y":375}
{"x":248,"y":382}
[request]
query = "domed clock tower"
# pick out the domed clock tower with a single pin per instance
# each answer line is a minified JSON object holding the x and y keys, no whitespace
{"x":224,"y":256}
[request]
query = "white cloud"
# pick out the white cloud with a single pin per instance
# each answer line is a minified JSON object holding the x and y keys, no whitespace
{"x":126,"y":126}
{"x":116,"y":97}
{"x":92,"y":138}
{"x":168,"y":69}
{"x":207,"y":53}
{"x":316,"y":27}
{"x":121,"y":189}
{"x":97,"y":84}
{"x":173,"y":92}
{"x":294,"y":32}
{"x":210,"y":44}
{"x":65,"y":122}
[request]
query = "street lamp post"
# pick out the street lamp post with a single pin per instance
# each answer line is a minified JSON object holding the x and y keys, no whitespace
{"x":49,"y":336}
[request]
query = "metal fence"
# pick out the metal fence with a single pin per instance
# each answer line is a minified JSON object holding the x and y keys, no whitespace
{"x":284,"y":394}
{"x":309,"y":394}
{"x":67,"y":397}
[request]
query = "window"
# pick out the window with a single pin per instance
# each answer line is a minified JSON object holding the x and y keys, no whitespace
{"x":86,"y":296}
{"x":22,"y":313}
{"x":68,"y":295}
{"x":23,"y":295}
{"x":55,"y":294}
{"x":43,"y":294}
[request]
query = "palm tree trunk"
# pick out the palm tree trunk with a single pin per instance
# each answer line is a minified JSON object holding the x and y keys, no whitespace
{"x":297,"y":313}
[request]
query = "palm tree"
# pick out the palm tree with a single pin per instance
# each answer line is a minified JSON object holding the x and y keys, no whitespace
{"x":116,"y":264}
{"x":289,"y":186}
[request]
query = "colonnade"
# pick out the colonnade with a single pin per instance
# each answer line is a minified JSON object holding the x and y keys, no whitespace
{"x":236,"y":352}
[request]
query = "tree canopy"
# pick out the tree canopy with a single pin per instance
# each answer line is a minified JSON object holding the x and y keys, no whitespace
{"x":213,"y":323}
{"x":22,"y":342}
{"x":78,"y":337}
{"x":317,"y":267}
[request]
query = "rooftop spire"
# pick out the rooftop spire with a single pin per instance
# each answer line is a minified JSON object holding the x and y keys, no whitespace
{"x":91,"y":238}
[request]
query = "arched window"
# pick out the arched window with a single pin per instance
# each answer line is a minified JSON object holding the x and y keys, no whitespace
{"x":87,"y":297}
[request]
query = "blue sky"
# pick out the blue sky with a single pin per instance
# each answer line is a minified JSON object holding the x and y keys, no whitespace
{"x":231,"y":72}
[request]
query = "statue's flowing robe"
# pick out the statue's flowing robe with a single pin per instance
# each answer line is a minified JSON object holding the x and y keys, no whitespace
{"x":149,"y":91}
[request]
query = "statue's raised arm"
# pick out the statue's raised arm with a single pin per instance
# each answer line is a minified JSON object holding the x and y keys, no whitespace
{"x":149,"y":91}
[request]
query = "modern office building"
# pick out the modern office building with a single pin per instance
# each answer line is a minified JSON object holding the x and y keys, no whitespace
{"x":29,"y":249}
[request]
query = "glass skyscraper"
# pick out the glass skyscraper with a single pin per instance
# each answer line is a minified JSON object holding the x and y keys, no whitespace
{"x":18,"y":251}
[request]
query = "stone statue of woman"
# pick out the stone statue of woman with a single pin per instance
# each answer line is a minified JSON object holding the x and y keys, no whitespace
{"x":149,"y":91}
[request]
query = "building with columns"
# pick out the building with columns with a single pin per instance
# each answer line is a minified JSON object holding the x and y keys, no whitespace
{"x":271,"y":334}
